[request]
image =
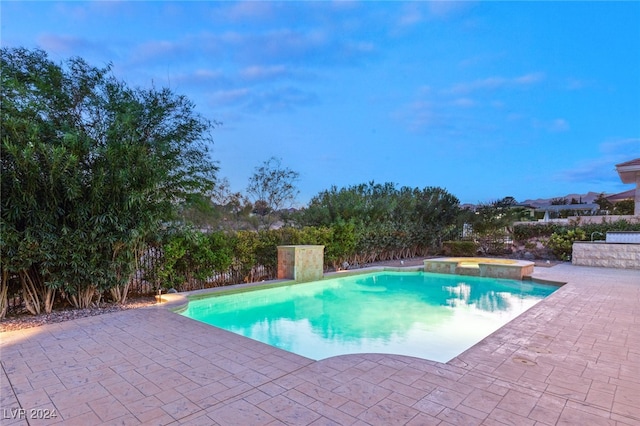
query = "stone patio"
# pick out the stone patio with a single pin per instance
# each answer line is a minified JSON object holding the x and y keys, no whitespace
{"x":573,"y":359}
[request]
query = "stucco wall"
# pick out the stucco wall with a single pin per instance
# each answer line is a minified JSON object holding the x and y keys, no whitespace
{"x":623,"y":256}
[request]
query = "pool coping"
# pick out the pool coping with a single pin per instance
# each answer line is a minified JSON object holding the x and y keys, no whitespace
{"x":572,"y":358}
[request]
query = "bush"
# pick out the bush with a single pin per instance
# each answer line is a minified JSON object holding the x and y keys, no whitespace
{"x":191,"y":258}
{"x":527,"y":232}
{"x":561,"y":243}
{"x":459,"y":248}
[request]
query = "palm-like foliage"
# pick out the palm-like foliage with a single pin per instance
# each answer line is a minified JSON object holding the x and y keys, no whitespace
{"x":90,"y":168}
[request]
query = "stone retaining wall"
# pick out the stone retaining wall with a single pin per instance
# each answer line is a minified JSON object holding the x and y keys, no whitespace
{"x":622,"y":256}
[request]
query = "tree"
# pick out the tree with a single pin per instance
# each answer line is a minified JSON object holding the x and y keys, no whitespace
{"x":272,"y":187}
{"x":603,"y":203}
{"x":493,"y":221}
{"x":90,"y":169}
{"x":624,"y":207}
{"x":559,"y":201}
{"x":388,"y":222}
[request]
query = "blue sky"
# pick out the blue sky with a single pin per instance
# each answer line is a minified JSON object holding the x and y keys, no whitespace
{"x":485,"y":99}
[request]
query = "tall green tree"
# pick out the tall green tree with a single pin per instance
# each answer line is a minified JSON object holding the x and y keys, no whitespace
{"x":272,"y":187}
{"x":389,"y":222}
{"x":90,"y":168}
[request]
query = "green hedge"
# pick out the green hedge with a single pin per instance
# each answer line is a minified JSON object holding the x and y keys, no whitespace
{"x":460,"y":248}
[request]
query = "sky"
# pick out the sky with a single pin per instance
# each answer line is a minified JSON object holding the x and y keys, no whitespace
{"x":483,"y":99}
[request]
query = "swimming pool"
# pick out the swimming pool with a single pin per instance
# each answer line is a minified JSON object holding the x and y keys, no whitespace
{"x":426,"y":315}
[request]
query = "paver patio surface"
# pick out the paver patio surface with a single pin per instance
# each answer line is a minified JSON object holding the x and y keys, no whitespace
{"x":573,"y":359}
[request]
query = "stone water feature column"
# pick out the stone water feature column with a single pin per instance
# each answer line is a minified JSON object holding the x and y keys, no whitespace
{"x":300,"y":263}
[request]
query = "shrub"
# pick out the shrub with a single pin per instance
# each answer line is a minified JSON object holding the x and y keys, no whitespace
{"x":526,"y":232}
{"x":561,"y":243}
{"x":459,"y":248}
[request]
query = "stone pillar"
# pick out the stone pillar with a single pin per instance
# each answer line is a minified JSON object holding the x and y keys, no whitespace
{"x":300,"y":263}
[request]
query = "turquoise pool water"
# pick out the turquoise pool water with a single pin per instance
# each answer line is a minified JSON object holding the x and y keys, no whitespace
{"x":432,"y":316}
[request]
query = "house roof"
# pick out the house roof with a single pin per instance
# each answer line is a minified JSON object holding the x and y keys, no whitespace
{"x":629,"y":170}
{"x":626,"y":195}
{"x":635,"y":162}
{"x":557,"y":208}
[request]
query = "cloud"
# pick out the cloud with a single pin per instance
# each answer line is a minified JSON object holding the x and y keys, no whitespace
{"x":555,"y":126}
{"x":628,"y":148}
{"x":263,"y":101}
{"x":495,"y":83}
{"x":410,"y":16}
{"x":232,"y":97}
{"x":594,"y":171}
{"x":281,"y":99}
{"x":260,"y":72}
{"x":159,"y":49}
{"x":444,"y":9}
{"x":576,"y":84}
{"x":463,"y":102}
{"x":601,"y":170}
{"x":68,"y":45}
{"x":249,"y":10}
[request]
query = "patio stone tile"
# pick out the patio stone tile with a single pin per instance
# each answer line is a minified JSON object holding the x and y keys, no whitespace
{"x":477,"y":414}
{"x":600,"y":399}
{"x":333,"y":414}
{"x":627,"y":410}
{"x":445,"y":397}
{"x":517,"y":402}
{"x":424,"y":385}
{"x":429,"y":407}
{"x":197,"y":419}
{"x":318,"y":380}
{"x":180,"y":408}
{"x":362,"y":392}
{"x":504,"y":417}
{"x":455,"y":417}
{"x":87,"y":418}
{"x":406,"y":375}
{"x":320,"y":394}
{"x":388,"y":412}
{"x":145,"y":404}
{"x":422,"y":419}
{"x":273,"y":389}
{"x":352,"y":408}
{"x":234,"y":391}
{"x":79,"y":395}
{"x":108,"y":408}
{"x":168,"y":395}
{"x":404,"y":391}
{"x":29,"y":399}
{"x":571,"y":416}
{"x":288,"y":411}
{"x":157,"y":416}
{"x":299,"y":397}
{"x":255,"y":397}
{"x":482,"y":400}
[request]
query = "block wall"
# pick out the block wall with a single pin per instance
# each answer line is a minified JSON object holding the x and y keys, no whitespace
{"x":622,"y":256}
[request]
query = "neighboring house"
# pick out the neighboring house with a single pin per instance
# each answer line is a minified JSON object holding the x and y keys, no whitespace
{"x":528,"y":210}
{"x":575,"y":209}
{"x":621,"y":196}
{"x":630,"y":173}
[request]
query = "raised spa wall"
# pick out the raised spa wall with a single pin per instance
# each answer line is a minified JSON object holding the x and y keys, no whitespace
{"x":515,"y":270}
